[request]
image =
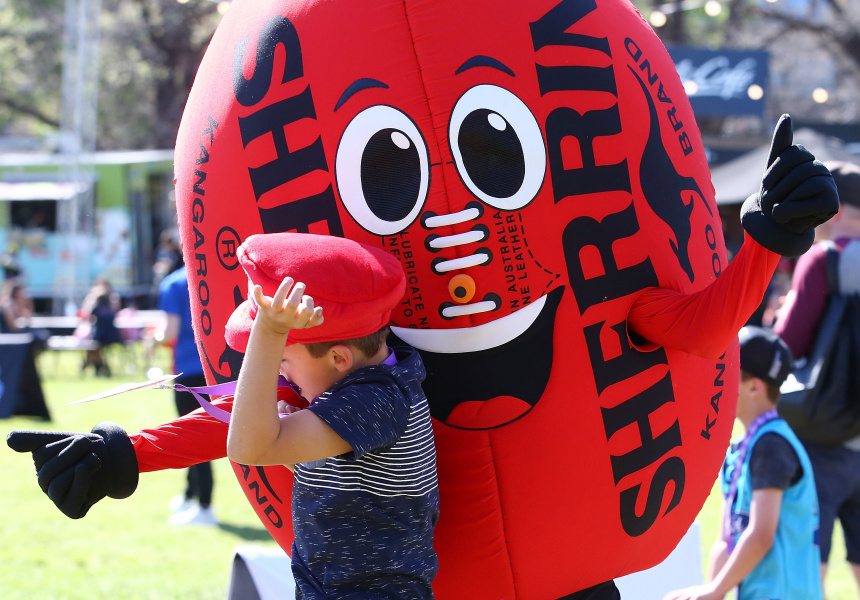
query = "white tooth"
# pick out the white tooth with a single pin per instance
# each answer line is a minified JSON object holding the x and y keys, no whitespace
{"x":459,"y":310}
{"x":453,"y":219}
{"x":472,"y":339}
{"x":464,"y":262}
{"x":459,"y":239}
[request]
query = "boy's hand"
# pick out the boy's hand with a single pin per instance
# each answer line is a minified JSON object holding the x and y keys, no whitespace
{"x":289,"y":309}
{"x":285,"y":408}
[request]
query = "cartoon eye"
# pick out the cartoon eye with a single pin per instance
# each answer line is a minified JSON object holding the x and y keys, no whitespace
{"x":498,"y":147}
{"x":383,"y":170}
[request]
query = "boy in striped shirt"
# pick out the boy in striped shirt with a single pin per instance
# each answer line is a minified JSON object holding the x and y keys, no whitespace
{"x":365,"y":497}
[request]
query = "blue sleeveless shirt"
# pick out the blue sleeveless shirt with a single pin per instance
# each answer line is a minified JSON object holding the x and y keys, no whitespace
{"x":790,"y":570}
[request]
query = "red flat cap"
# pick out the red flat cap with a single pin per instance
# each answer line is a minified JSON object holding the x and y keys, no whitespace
{"x":357,"y":285}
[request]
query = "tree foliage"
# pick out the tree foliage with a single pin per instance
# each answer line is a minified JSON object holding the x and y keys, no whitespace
{"x":812,"y":44}
{"x":30,"y":71}
{"x":149,"y":53}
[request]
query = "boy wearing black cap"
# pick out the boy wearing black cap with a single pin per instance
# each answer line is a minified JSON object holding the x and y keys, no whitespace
{"x":769,"y":545}
{"x":365,"y":498}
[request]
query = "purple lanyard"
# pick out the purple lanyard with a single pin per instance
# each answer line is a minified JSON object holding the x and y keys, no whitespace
{"x":223,"y":389}
{"x":743,"y":446}
{"x":229,"y":388}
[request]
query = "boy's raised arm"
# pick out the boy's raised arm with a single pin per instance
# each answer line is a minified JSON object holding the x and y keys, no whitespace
{"x":256,"y":434}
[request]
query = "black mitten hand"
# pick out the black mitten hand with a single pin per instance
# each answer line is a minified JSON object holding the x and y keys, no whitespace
{"x":797,"y":194}
{"x":76,"y":470}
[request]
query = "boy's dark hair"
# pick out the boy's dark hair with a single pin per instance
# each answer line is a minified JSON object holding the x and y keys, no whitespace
{"x":369,"y":345}
{"x":772,"y":388}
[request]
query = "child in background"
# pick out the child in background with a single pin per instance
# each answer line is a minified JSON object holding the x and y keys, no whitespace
{"x":770,"y":514}
{"x":365,"y":498}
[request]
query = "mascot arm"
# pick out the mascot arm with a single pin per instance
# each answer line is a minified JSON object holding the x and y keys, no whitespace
{"x":797,"y":194}
{"x":704,"y":323}
{"x":76,"y":470}
{"x":194,"y":438}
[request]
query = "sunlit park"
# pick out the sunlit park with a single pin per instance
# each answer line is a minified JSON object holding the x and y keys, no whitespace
{"x":542,"y":171}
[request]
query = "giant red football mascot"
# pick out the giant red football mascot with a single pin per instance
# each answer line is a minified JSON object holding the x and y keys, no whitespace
{"x":536,"y":168}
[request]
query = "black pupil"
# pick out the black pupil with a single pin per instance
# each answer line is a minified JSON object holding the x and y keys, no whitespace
{"x":492,"y":154}
{"x":390,"y":175}
{"x":460,"y":292}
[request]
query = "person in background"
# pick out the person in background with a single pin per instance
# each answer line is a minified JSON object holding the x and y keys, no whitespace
{"x":16,"y":308}
{"x":168,"y":258}
{"x":194,"y":506}
{"x":98,"y":310}
{"x":769,"y":517}
{"x":101,"y":287}
{"x":104,"y":333}
{"x":9,"y":265}
{"x":837,"y":467}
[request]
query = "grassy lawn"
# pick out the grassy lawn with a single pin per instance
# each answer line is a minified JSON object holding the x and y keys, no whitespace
{"x":122,"y":548}
{"x":126,"y":549}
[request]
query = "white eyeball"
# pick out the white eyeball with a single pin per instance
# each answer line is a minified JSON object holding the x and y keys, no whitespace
{"x":498,"y":147}
{"x":383,"y":170}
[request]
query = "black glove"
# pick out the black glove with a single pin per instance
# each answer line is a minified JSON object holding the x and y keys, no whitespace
{"x":797,"y":194}
{"x":76,"y":470}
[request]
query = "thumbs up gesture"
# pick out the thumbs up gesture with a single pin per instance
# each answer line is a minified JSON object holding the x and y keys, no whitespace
{"x":797,"y":194}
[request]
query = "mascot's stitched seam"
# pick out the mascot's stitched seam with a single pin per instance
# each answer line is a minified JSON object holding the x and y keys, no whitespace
{"x":502,"y":514}
{"x":435,"y":129}
{"x":421,"y":73}
{"x":555,"y":276}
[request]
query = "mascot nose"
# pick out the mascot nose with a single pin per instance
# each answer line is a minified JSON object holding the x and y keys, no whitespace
{"x":462,"y":288}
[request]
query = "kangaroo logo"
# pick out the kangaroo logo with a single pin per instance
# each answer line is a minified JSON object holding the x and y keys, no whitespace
{"x":663,"y":188}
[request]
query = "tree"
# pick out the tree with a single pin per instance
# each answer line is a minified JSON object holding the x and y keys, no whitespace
{"x":830,"y":22}
{"x":150,"y":53}
{"x":29,"y":66}
{"x":813,"y":46}
{"x":149,"y":49}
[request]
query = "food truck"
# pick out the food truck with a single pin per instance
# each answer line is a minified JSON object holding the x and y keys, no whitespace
{"x":123,"y":201}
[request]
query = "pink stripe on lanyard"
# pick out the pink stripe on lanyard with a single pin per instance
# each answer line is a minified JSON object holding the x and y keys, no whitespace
{"x":743,"y":446}
{"x":226,"y":389}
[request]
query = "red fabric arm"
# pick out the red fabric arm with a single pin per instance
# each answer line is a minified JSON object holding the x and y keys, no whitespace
{"x":704,"y":323}
{"x":189,"y":440}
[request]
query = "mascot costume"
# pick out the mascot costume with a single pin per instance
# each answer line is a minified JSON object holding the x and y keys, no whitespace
{"x":537,"y":170}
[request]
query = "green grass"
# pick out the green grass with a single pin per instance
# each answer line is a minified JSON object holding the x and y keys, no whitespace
{"x":122,"y":548}
{"x":125,"y":548}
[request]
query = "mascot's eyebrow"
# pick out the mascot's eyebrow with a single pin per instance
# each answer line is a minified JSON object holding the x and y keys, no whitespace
{"x":357,"y":86}
{"x":484,"y":61}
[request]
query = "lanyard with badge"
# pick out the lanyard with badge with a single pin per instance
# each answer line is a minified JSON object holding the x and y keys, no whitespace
{"x":742,"y":448}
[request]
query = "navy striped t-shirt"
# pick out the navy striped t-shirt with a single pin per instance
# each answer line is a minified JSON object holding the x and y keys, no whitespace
{"x":364,"y":520}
